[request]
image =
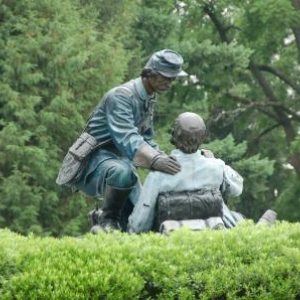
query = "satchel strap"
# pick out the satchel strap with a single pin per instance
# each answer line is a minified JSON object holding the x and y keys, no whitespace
{"x":189,"y":193}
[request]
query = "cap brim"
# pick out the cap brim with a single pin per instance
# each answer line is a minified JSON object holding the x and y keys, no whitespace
{"x":175,"y":74}
{"x":182,"y":74}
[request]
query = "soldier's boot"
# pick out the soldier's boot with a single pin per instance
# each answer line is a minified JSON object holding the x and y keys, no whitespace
{"x":114,"y":201}
{"x":93,"y":217}
{"x":268,"y":218}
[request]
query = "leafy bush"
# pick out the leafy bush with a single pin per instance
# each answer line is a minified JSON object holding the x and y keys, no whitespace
{"x":247,"y":262}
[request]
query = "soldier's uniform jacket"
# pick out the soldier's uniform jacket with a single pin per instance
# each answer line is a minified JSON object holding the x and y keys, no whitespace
{"x":197,"y":172}
{"x":123,"y":119}
{"x":124,"y":116}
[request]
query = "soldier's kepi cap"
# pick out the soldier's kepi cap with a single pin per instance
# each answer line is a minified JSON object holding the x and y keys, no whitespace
{"x":167,"y":62}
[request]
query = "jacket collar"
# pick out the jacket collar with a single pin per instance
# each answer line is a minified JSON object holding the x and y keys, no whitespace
{"x":141,"y":91}
{"x":179,"y":153}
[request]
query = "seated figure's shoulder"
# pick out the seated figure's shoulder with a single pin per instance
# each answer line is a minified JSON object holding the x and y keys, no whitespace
{"x":214,"y":162}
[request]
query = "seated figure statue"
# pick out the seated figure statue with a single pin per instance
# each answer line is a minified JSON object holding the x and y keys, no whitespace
{"x":202,"y":181}
{"x":201,"y":174}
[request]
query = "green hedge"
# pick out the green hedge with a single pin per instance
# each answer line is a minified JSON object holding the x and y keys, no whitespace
{"x":247,"y":262}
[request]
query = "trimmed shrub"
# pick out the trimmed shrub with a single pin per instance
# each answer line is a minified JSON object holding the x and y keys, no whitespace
{"x":247,"y":262}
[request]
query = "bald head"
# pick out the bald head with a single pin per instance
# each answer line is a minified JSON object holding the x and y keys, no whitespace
{"x":190,"y":121}
{"x":188,"y":132}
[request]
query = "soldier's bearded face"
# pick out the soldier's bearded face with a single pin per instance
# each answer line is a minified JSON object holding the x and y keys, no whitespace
{"x":161,"y":84}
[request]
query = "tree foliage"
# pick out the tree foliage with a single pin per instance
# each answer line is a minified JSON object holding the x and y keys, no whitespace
{"x":54,"y":66}
{"x":58,"y":58}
